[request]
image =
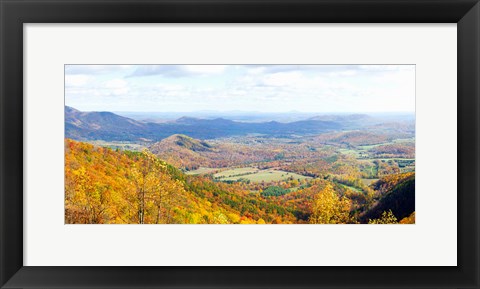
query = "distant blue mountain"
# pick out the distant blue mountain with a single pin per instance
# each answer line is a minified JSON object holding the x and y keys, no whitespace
{"x":112,"y":127}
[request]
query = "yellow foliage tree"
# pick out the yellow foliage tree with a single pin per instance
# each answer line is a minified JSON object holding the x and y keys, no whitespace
{"x":156,"y":195}
{"x":329,"y":208}
{"x":386,"y":218}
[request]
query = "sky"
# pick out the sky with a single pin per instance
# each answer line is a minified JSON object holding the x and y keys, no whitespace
{"x":264,"y":88}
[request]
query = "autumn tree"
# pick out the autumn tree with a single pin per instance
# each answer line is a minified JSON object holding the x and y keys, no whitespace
{"x":157,"y":194}
{"x":90,"y":197}
{"x":386,"y":218}
{"x":329,"y":208}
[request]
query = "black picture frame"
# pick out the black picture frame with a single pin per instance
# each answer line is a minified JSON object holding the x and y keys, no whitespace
{"x":14,"y":13}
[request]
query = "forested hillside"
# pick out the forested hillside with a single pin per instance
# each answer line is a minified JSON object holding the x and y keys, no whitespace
{"x":104,"y":185}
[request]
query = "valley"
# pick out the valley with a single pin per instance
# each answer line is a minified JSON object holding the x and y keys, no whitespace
{"x":220,"y":170}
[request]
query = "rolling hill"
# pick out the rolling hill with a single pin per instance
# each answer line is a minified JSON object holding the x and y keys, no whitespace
{"x":100,"y":125}
{"x":185,"y":152}
{"x":108,"y":126}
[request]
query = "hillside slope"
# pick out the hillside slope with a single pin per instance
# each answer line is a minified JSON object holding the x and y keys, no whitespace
{"x":100,"y":125}
{"x":185,"y":152}
{"x":398,"y":195}
{"x":122,"y":187}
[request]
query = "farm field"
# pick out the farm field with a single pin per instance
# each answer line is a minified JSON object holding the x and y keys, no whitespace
{"x":257,"y":176}
{"x":366,"y":151}
{"x":235,"y":172}
{"x":201,"y":171}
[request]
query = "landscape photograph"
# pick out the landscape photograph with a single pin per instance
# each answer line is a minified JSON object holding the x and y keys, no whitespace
{"x":239,"y":144}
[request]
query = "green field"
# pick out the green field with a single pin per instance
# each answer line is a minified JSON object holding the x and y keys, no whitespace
{"x":236,"y":172}
{"x":362,"y":151}
{"x":257,"y":176}
{"x":353,"y":152}
{"x":252,"y":174}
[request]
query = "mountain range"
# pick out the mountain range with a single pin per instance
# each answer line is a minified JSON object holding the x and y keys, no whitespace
{"x":109,"y":126}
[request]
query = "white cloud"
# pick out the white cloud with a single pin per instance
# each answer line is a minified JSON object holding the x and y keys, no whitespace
{"x":282,"y":79}
{"x":76,"y":80}
{"x":117,"y":86}
{"x":325,"y":88}
{"x":350,"y":72}
{"x":116,"y":83}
